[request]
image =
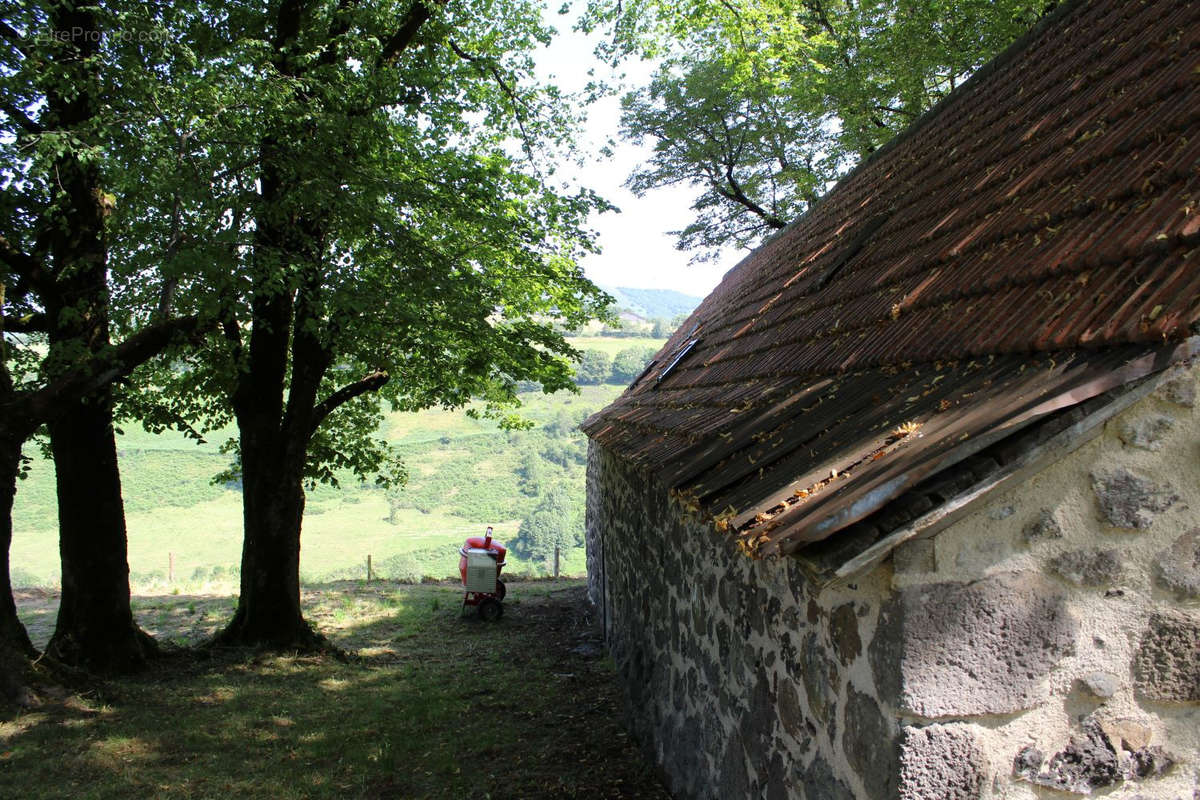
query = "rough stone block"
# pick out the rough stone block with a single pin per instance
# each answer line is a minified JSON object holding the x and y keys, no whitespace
{"x":959,"y":649}
{"x":843,"y":630}
{"x":1167,"y":664}
{"x":758,"y":723}
{"x":1101,"y":684}
{"x":914,"y":556}
{"x":1088,"y":762}
{"x":791,"y":715}
{"x":734,"y":778}
{"x":1148,"y":762}
{"x":1130,"y":501}
{"x":1178,"y":567}
{"x":1089,"y":567}
{"x":1045,"y":526}
{"x":869,"y":744}
{"x":820,"y":676}
{"x":1028,"y":762}
{"x":942,"y":761}
{"x":1128,"y":733}
{"x":1107,"y":752}
{"x":1148,"y":433}
{"x":820,"y":783}
{"x":1179,"y":388}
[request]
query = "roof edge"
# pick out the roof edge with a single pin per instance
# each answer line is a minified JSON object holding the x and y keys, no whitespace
{"x":1034,"y":449}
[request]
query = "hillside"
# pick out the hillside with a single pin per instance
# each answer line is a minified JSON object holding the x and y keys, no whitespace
{"x":654,"y":303}
{"x":464,"y":473}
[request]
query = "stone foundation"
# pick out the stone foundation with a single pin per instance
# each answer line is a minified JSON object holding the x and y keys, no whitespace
{"x":1047,"y":643}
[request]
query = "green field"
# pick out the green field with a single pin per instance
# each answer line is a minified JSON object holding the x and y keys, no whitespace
{"x":464,"y":474}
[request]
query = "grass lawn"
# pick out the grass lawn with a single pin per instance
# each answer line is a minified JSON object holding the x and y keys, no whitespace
{"x":434,"y":705}
{"x":614,"y":344}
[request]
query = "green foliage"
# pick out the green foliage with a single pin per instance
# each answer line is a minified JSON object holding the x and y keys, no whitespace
{"x":629,"y":363}
{"x":556,"y":521}
{"x":464,"y":473}
{"x":594,"y":367}
{"x":401,"y":227}
{"x":533,"y":473}
{"x":761,"y":104}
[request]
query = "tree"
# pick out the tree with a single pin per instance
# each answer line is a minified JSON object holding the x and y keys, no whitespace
{"x":391,"y":244}
{"x":761,"y":104}
{"x":556,"y":521}
{"x":594,"y":367}
{"x":55,"y":241}
{"x":533,"y":473}
{"x":629,"y":363}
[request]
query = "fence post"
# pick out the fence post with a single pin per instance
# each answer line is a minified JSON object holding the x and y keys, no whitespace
{"x":170,"y":568}
{"x":555,"y":562}
{"x":370,"y":574}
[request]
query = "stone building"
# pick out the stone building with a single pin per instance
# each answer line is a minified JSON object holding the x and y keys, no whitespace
{"x":910,"y":507}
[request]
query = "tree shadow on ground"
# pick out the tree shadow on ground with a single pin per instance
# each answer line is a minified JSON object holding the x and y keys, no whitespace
{"x":438,"y":705}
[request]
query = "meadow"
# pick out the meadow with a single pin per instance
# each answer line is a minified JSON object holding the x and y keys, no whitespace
{"x":464,"y":473}
{"x":426,"y":703}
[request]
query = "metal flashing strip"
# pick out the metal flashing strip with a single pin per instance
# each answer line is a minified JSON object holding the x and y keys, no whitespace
{"x":1031,"y":461}
{"x":811,"y":528}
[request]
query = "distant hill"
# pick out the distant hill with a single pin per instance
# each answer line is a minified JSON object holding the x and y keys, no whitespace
{"x":654,"y":303}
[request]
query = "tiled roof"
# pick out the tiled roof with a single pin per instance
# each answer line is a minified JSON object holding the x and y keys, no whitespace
{"x":1016,"y":251}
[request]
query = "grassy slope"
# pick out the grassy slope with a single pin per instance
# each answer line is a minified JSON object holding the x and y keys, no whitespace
{"x":437,"y":706}
{"x":613,"y":344}
{"x":173,"y":508}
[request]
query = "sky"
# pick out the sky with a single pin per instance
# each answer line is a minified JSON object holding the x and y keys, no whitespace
{"x":637,"y":250}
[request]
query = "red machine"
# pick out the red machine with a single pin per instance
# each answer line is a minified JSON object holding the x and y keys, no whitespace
{"x":480,"y":561}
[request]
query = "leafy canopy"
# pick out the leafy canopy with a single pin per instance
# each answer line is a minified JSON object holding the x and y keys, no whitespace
{"x":425,"y":239}
{"x":761,"y":104}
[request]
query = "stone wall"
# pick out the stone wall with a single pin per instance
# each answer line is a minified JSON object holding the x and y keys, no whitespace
{"x":1047,"y":643}
{"x":740,"y":682}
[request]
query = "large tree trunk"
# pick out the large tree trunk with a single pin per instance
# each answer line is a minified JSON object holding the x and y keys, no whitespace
{"x":95,"y":628}
{"x":274,"y":436}
{"x":13,"y":635}
{"x":268,"y":612}
{"x":16,"y":651}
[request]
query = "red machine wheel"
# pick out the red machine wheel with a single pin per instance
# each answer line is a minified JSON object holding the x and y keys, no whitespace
{"x":490,"y":609}
{"x":501,"y":589}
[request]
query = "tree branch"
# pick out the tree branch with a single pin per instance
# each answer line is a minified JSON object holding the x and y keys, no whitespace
{"x":404,"y":36}
{"x":30,"y":323}
{"x":36,"y":407}
{"x":8,"y":33}
{"x":20,"y":117}
{"x":29,"y":270}
{"x":370,"y":383}
{"x":737,"y":195}
{"x":490,"y":66}
{"x":15,"y":260}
